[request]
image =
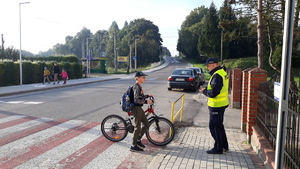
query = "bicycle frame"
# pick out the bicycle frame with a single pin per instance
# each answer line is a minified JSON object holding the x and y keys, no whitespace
{"x":148,"y":111}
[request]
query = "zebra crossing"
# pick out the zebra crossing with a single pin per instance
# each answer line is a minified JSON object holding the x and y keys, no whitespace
{"x":37,"y":143}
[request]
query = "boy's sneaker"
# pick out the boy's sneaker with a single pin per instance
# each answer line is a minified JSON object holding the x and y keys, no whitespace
{"x":135,"y":148}
{"x":139,"y":143}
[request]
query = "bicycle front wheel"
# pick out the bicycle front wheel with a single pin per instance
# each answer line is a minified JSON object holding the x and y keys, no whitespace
{"x":161,"y":131}
{"x":113,"y":127}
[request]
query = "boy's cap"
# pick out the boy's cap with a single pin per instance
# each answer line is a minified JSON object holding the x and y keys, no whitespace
{"x":139,"y":74}
{"x":210,"y":61}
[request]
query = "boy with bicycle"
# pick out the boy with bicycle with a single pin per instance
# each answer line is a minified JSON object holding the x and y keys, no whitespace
{"x":139,"y":99}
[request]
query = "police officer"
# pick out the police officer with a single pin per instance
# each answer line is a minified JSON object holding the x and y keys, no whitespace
{"x":217,"y":93}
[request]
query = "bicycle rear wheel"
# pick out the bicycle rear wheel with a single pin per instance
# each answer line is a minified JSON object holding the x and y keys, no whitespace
{"x":113,"y":127}
{"x":161,"y":131}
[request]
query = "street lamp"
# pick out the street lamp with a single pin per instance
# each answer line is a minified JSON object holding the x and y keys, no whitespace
{"x":21,"y":41}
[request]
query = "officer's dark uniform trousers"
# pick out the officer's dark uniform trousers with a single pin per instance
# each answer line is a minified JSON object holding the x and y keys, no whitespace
{"x":216,"y":128}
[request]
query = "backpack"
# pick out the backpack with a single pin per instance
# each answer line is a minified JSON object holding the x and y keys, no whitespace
{"x":126,"y":103}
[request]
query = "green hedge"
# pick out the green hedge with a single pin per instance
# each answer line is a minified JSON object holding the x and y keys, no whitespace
{"x":33,"y":72}
{"x":68,"y":58}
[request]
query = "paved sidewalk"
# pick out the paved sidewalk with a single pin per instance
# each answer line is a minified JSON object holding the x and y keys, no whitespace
{"x":188,"y":149}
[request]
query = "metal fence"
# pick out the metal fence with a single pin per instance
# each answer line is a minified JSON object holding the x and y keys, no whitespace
{"x":267,"y":121}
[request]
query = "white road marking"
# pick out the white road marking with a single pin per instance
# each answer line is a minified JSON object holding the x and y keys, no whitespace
{"x":21,"y":102}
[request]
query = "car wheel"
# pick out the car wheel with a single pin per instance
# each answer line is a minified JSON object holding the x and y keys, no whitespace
{"x":169,"y":88}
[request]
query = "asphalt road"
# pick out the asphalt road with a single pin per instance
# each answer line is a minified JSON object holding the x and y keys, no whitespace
{"x":93,"y":102}
{"x":23,"y":115}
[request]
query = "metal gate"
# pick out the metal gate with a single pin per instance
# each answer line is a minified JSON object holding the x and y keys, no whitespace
{"x":267,"y":121}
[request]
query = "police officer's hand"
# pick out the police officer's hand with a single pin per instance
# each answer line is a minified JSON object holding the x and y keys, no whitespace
{"x":201,"y":89}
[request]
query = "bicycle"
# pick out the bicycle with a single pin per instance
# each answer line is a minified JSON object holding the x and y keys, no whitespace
{"x":160,"y":132}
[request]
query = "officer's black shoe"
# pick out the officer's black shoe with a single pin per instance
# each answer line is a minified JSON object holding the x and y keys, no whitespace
{"x":214,"y":152}
{"x":139,"y":143}
{"x":225,"y":149}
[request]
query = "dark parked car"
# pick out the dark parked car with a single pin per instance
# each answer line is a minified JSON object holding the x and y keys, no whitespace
{"x":182,"y":78}
{"x":200,"y":73}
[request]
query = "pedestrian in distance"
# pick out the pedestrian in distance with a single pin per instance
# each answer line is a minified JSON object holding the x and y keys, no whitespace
{"x":46,"y":75}
{"x":64,"y":75}
{"x":217,"y":93}
{"x":56,"y":72}
{"x":139,"y":98}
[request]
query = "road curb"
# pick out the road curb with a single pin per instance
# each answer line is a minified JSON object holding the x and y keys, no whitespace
{"x":54,"y":87}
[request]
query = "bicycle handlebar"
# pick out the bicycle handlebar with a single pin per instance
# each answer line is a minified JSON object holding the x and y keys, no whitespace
{"x":151,"y":98}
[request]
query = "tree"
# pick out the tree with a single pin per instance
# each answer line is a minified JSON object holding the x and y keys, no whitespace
{"x":74,"y":45}
{"x":165,"y":52}
{"x":49,"y":52}
{"x":112,"y":42}
{"x":273,"y":17}
{"x":189,"y":33}
{"x":238,"y":39}
{"x":210,"y":34}
{"x":148,"y":41}
{"x":12,"y":54}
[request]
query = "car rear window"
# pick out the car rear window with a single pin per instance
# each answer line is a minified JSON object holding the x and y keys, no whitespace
{"x":182,"y":72}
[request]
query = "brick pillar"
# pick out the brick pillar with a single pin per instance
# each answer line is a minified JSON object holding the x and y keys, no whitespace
{"x":236,"y":88}
{"x":244,"y":99}
{"x":256,"y":76}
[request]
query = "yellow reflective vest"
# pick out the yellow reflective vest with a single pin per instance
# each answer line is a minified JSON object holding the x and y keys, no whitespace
{"x":221,"y":99}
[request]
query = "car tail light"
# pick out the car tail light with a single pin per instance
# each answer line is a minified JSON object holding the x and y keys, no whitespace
{"x":191,"y":79}
{"x":170,"y":78}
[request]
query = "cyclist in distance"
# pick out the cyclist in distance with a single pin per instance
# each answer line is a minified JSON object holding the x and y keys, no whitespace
{"x":139,"y":98}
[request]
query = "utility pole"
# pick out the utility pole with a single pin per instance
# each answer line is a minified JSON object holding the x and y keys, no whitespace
{"x":100,"y":48}
{"x":115,"y":53}
{"x":222,"y":47}
{"x":130,"y":67}
{"x":2,"y":54}
{"x":135,"y":60}
{"x":286,"y":61}
{"x":88,"y":53}
{"x":82,"y":47}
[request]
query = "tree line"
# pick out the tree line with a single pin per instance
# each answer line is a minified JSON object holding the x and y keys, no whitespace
{"x":140,"y":33}
{"x":140,"y":36}
{"x":204,"y":29}
{"x":242,"y":27}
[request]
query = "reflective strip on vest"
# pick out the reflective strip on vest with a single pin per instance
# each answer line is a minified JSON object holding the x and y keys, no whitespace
{"x":221,"y":99}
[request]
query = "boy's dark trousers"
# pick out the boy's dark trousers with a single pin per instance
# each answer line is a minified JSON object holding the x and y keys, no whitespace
{"x":140,"y":117}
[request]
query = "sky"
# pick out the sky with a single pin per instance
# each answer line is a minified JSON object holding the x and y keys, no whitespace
{"x":45,"y":23}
